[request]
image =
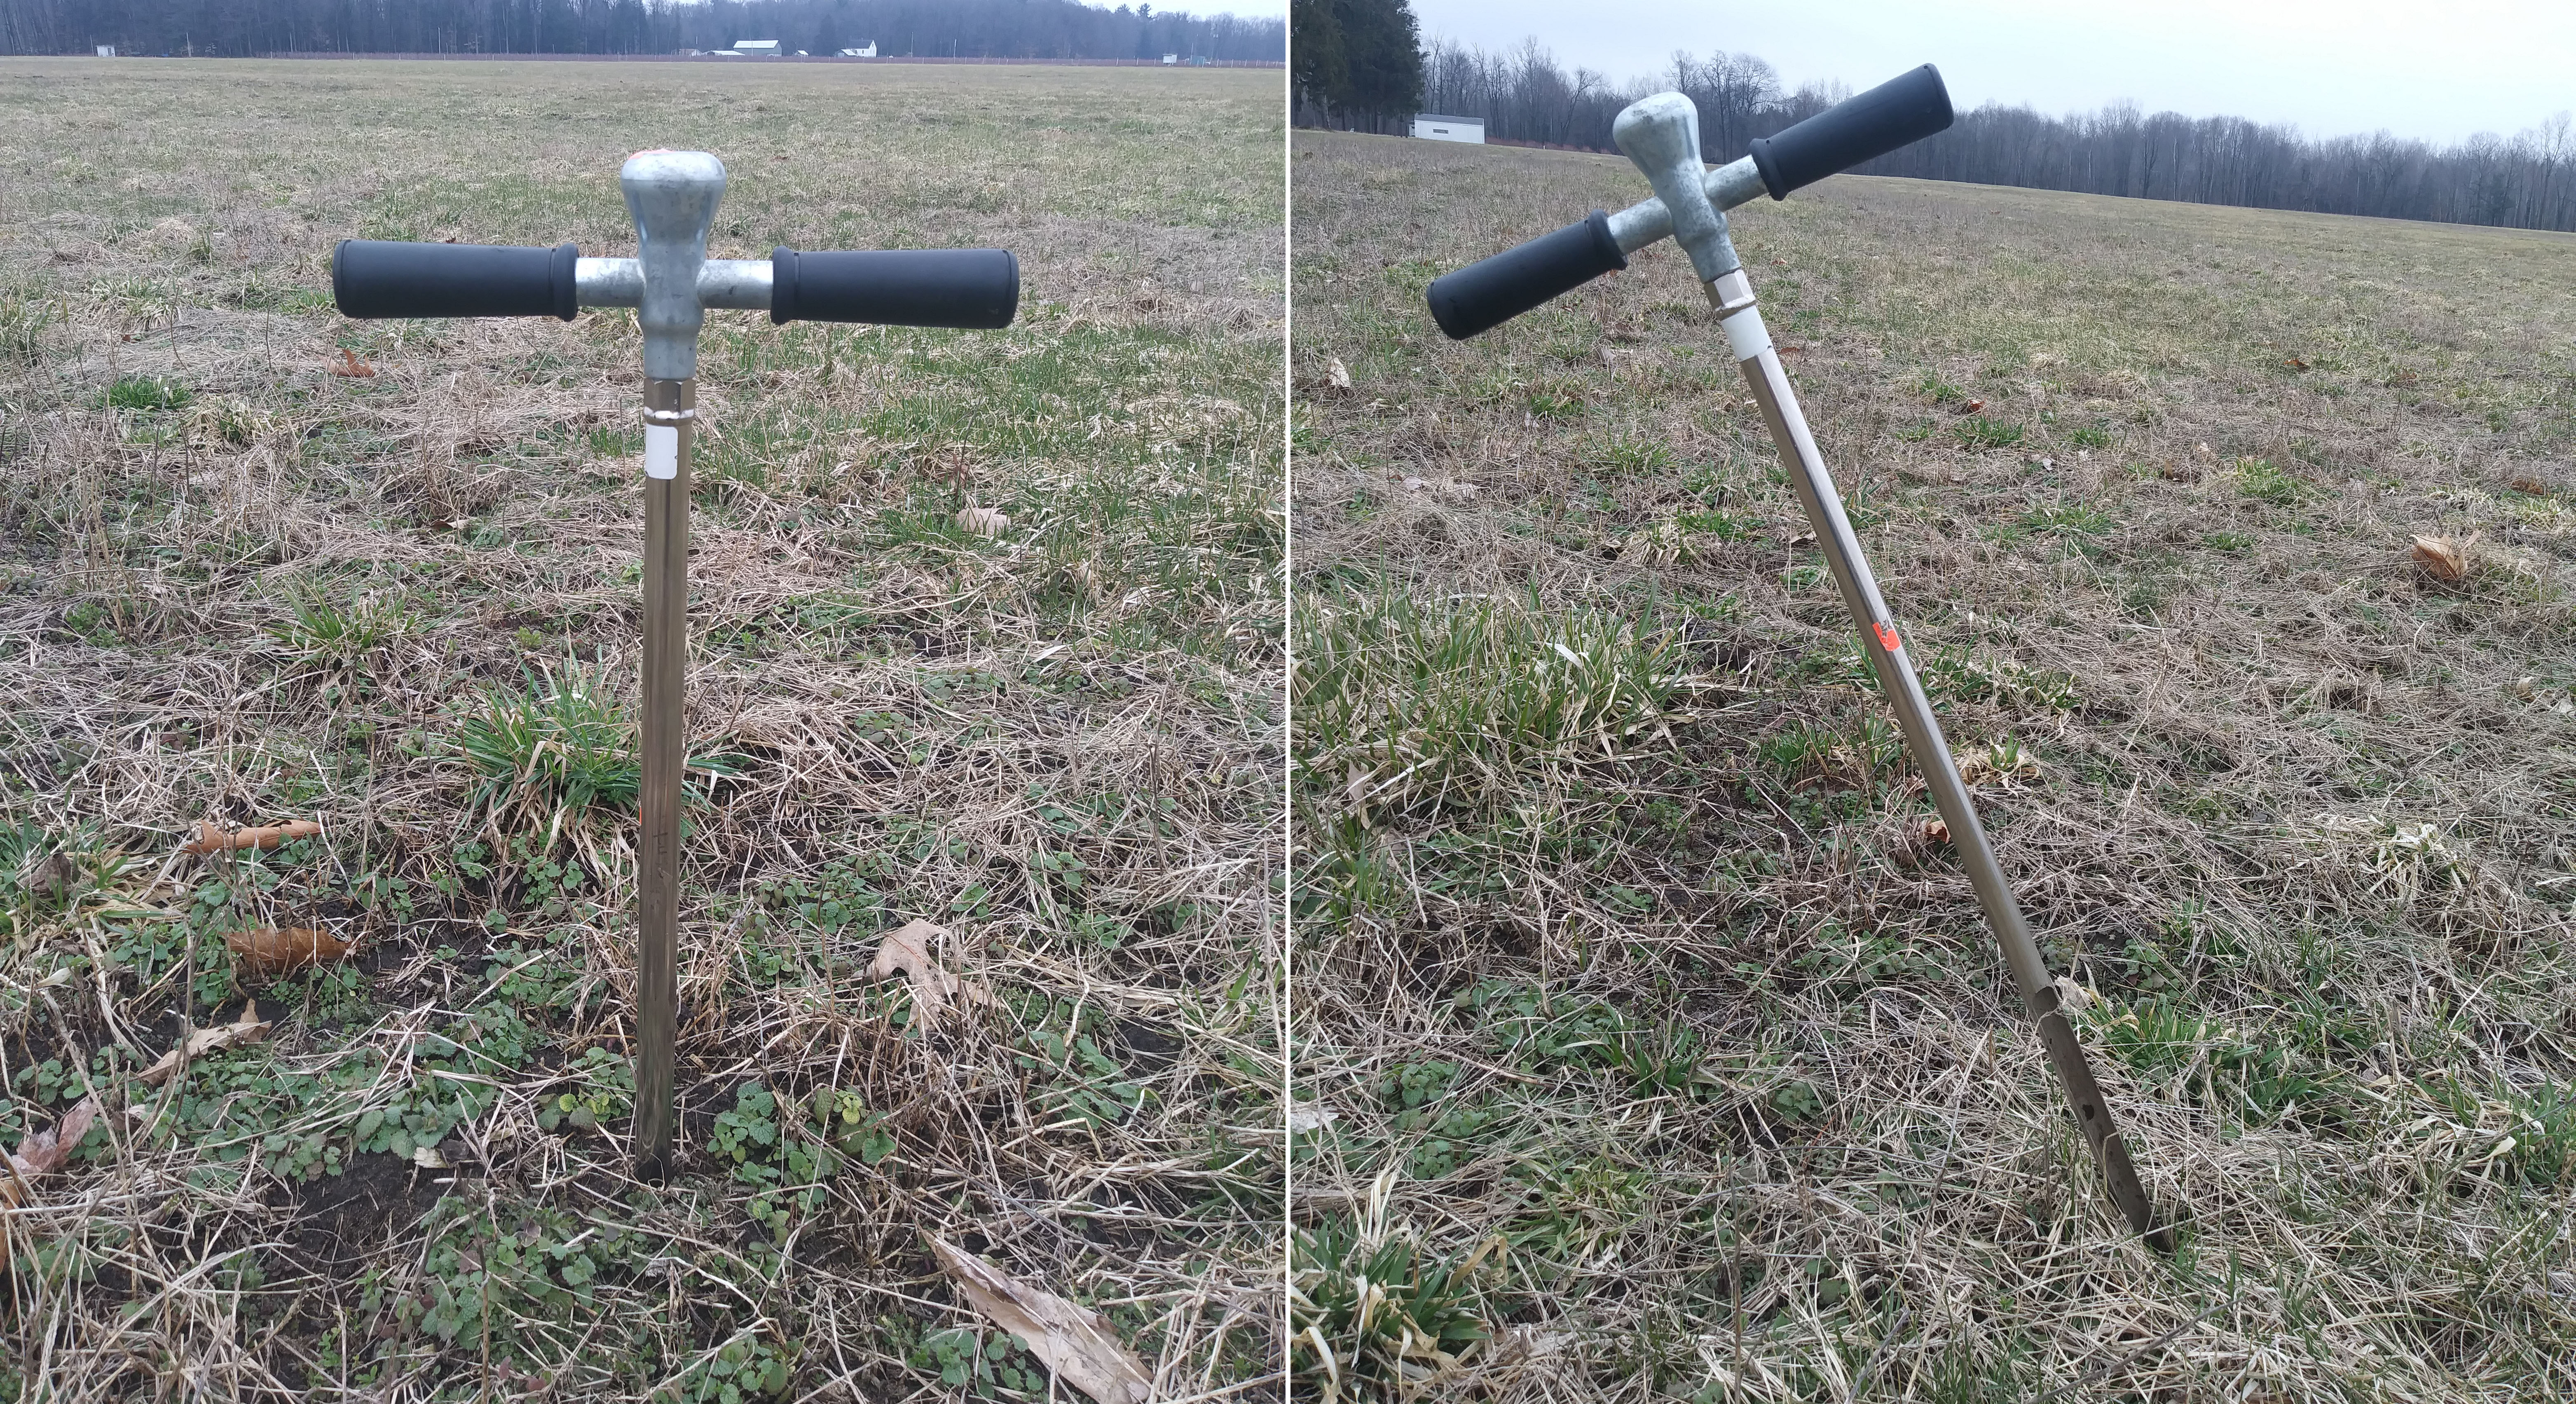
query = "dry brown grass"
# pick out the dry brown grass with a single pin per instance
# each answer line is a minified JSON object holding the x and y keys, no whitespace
{"x":1641,"y":1034}
{"x":294,"y":594}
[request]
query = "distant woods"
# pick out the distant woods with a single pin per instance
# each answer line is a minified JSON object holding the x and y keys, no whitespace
{"x":1033,"y":29}
{"x":2526,"y":181}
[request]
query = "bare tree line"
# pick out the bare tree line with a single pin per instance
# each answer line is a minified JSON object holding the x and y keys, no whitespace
{"x":2527,"y":182}
{"x":2524,"y":183}
{"x":1040,"y":29}
{"x":1524,"y":96}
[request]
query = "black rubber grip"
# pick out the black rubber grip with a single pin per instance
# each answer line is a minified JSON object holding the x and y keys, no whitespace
{"x":376,"y":278}
{"x":1898,"y":112}
{"x":1492,"y":292}
{"x":896,"y":287}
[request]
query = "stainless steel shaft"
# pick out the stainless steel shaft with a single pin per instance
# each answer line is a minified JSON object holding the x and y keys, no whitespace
{"x":1753,"y":351}
{"x":669,"y":421}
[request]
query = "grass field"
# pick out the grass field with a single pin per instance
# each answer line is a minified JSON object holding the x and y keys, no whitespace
{"x":237,"y":587}
{"x":1646,"y":1045}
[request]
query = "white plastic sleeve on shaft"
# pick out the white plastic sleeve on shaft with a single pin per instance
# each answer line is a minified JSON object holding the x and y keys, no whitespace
{"x":661,"y":451}
{"x":1746,"y":337}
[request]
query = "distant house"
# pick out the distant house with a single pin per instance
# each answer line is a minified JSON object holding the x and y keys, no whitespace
{"x":863,"y":51}
{"x":1439,"y":128}
{"x":1171,"y":58}
{"x":109,"y":51}
{"x":756,"y":48}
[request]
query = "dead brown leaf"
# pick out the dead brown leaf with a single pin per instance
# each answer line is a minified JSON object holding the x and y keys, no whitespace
{"x":351,"y":367}
{"x":2444,"y":557}
{"x":1936,"y":832}
{"x":210,"y":839}
{"x":1070,"y":1339}
{"x":275,"y":950}
{"x":44,"y":1152}
{"x":982,"y":521}
{"x":204,"y":1041}
{"x":40,"y":1154}
{"x":907,"y":952}
{"x":1338,"y":375}
{"x":52,"y":876}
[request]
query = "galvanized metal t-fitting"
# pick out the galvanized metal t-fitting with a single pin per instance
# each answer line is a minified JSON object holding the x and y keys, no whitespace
{"x":673,"y":196}
{"x":1661,"y":135}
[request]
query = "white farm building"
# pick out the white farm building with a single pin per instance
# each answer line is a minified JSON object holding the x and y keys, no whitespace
{"x":1439,"y":128}
{"x":756,"y":48}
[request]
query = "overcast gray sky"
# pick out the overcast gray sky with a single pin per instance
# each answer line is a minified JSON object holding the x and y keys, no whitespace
{"x":2437,"y":69}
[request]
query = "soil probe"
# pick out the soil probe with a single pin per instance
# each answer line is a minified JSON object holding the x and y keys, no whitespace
{"x":670,"y":284}
{"x":1661,"y":135}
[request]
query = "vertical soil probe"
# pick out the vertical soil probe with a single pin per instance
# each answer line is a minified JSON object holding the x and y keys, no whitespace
{"x":672,"y":196}
{"x":1661,"y":135}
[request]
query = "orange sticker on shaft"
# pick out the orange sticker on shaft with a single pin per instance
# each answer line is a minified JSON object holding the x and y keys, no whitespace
{"x":1887,"y":637}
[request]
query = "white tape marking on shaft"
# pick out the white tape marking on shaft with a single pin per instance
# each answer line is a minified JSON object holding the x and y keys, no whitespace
{"x":661,"y":451}
{"x":1745,"y":334}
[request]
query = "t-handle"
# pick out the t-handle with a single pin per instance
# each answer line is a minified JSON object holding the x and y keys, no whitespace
{"x":1663,"y":139}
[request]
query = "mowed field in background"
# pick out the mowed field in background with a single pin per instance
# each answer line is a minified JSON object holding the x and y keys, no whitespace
{"x":240,"y":583}
{"x":1648,"y":1046}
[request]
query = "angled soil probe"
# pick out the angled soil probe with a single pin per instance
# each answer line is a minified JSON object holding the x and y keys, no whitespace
{"x":1661,"y":135}
{"x":670,"y":284}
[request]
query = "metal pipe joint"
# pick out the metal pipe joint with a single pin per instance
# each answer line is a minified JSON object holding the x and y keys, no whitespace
{"x":672,"y":196}
{"x":1661,"y":135}
{"x":738,"y":284}
{"x":1646,"y":221}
